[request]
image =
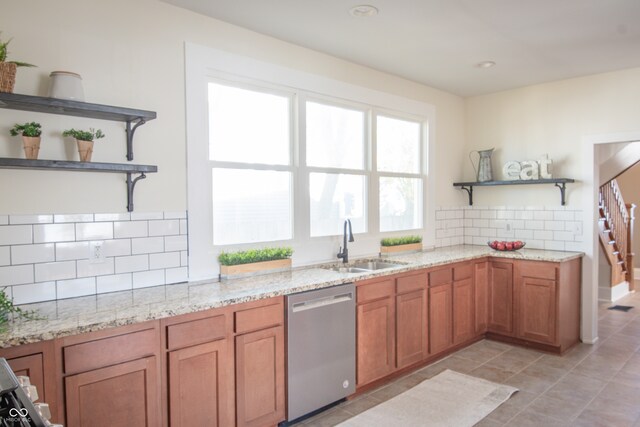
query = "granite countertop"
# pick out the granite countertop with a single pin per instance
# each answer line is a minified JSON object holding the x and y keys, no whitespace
{"x":91,"y":313}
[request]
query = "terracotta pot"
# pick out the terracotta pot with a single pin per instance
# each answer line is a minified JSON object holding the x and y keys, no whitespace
{"x":7,"y":77}
{"x":31,"y":146}
{"x":85,"y":149}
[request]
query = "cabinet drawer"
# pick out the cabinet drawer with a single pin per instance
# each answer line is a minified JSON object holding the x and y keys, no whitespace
{"x":411,"y":283}
{"x":440,"y":277}
{"x":110,"y":351}
{"x":539,"y":270}
{"x":259,"y":318}
{"x":462,"y":272}
{"x":196,"y":332}
{"x":374,"y":291}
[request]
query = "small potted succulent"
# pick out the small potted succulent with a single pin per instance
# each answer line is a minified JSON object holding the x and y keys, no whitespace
{"x":8,"y":69}
{"x":30,"y":138}
{"x":84,"y":139}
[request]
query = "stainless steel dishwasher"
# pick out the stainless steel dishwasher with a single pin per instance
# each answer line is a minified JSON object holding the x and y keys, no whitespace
{"x":321,"y":351}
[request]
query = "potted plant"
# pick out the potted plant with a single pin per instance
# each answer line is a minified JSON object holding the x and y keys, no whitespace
{"x":401,"y":244}
{"x":8,"y":69}
{"x":253,"y":260}
{"x":30,"y":138}
{"x":7,"y":308}
{"x":84,"y":139}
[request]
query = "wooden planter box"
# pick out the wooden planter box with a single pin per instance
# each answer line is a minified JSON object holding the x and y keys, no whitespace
{"x":401,"y":248}
{"x":229,"y":270}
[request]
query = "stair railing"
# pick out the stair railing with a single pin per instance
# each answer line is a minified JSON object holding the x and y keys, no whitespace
{"x":617,"y":216}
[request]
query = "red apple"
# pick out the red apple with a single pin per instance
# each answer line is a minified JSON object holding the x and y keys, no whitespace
{"x":509,"y":246}
{"x":500,"y":246}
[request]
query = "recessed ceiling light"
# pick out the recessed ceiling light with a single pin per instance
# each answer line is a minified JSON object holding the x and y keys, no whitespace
{"x":363,"y":11}
{"x":485,"y":64}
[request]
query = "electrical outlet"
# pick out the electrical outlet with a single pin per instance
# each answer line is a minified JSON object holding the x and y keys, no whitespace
{"x":577,"y":228}
{"x":96,"y":252}
{"x":507,"y":226}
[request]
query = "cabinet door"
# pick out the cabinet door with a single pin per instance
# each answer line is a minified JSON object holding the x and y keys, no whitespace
{"x":412,"y":332}
{"x":260,"y":399}
{"x":199,"y":387}
{"x":481,"y":291}
{"x":463,"y":311}
{"x":31,"y":366}
{"x":501,"y":298}
{"x":536,"y":309}
{"x":440,"y":318}
{"x":121,"y":395}
{"x":375,"y":340}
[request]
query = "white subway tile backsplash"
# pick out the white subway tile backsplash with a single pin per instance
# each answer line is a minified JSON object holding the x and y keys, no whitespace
{"x":116,"y":247}
{"x":505,"y":214}
{"x":176,"y":275}
{"x":573,"y":246}
{"x":139,"y":216}
{"x":16,"y":234}
{"x":472,"y":214}
{"x":563,"y":215}
{"x":114,"y":283}
{"x":523,"y":234}
{"x":72,"y":251}
{"x":554,"y":225}
{"x":488,"y":232}
{"x":183,"y":227}
{"x":55,"y":271}
{"x":4,"y":219}
{"x":184,"y":258}
{"x":30,"y":219}
{"x":5,"y":255}
{"x":86,"y":268}
{"x":488,"y":214}
{"x":543,"y":215}
{"x":35,"y":292}
{"x":504,"y":234}
{"x":535,"y":244}
{"x":30,"y":254}
{"x":125,"y":229}
{"x":164,"y":260}
{"x":16,"y":275}
{"x":50,"y":233}
{"x":167,"y":227}
{"x":65,"y":218}
{"x":553,"y":245}
{"x":481,"y":223}
{"x":147,"y":245}
{"x":99,"y":217}
{"x":563,"y":236}
{"x":543,"y":235}
{"x":128,"y":264}
{"x":76,"y":287}
{"x":441,"y":215}
{"x":94,"y":231}
{"x":534,"y":225}
{"x":526,"y":215}
{"x":145,"y":279}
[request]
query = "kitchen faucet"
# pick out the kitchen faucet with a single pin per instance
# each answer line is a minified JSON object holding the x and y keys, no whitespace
{"x":344,"y":252}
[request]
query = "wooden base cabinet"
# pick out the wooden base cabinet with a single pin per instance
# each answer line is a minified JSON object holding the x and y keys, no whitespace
{"x":121,"y":395}
{"x":412,"y":329}
{"x":481,"y":295}
{"x":463,"y":303}
{"x":440,"y":318}
{"x":500,"y":298}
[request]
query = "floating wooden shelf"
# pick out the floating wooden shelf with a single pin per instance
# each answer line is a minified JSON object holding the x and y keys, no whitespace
{"x":557,"y":182}
{"x":133,"y":119}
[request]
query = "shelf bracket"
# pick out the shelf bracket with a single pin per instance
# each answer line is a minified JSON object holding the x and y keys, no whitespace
{"x":131,"y":184}
{"x":469,"y":190}
{"x":130,"y":132}
{"x":563,"y":187}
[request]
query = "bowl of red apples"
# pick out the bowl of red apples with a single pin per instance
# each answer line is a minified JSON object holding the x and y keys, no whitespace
{"x":506,"y":246}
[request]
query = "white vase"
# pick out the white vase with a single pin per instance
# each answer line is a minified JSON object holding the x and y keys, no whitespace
{"x":66,"y":85}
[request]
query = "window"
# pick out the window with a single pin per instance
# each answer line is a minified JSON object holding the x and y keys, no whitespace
{"x":250,"y":153}
{"x":277,"y":156}
{"x":335,"y":145}
{"x":399,"y":166}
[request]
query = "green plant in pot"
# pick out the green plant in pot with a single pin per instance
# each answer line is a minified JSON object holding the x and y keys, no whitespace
{"x":8,"y":69}
{"x":30,"y":138}
{"x":84,"y":139}
{"x":7,"y":308}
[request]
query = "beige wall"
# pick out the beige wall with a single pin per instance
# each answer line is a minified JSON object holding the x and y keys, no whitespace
{"x":629,"y":183}
{"x":552,"y":118}
{"x":131,"y":53}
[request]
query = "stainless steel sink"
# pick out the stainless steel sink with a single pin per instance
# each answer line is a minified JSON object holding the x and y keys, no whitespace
{"x":350,"y":269}
{"x":375,"y":265}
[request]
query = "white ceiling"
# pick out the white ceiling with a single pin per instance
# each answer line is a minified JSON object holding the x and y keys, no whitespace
{"x":439,"y":42}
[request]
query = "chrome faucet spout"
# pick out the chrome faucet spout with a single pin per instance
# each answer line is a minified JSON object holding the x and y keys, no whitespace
{"x":344,"y":252}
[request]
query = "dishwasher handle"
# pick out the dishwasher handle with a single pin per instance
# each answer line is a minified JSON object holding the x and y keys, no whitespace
{"x":321,"y":302}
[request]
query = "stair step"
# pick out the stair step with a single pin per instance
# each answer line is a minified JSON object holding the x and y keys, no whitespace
{"x":616,"y":252}
{"x":620,"y":262}
{"x":612,"y":242}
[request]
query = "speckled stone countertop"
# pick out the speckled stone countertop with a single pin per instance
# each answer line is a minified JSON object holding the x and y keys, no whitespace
{"x":85,"y":314}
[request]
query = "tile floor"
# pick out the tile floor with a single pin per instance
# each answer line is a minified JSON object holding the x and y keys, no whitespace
{"x":591,"y":385}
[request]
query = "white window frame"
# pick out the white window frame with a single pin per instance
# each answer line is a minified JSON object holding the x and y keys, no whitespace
{"x":203,"y":64}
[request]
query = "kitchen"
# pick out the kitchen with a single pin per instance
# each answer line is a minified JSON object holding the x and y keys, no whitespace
{"x":144,"y":67}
